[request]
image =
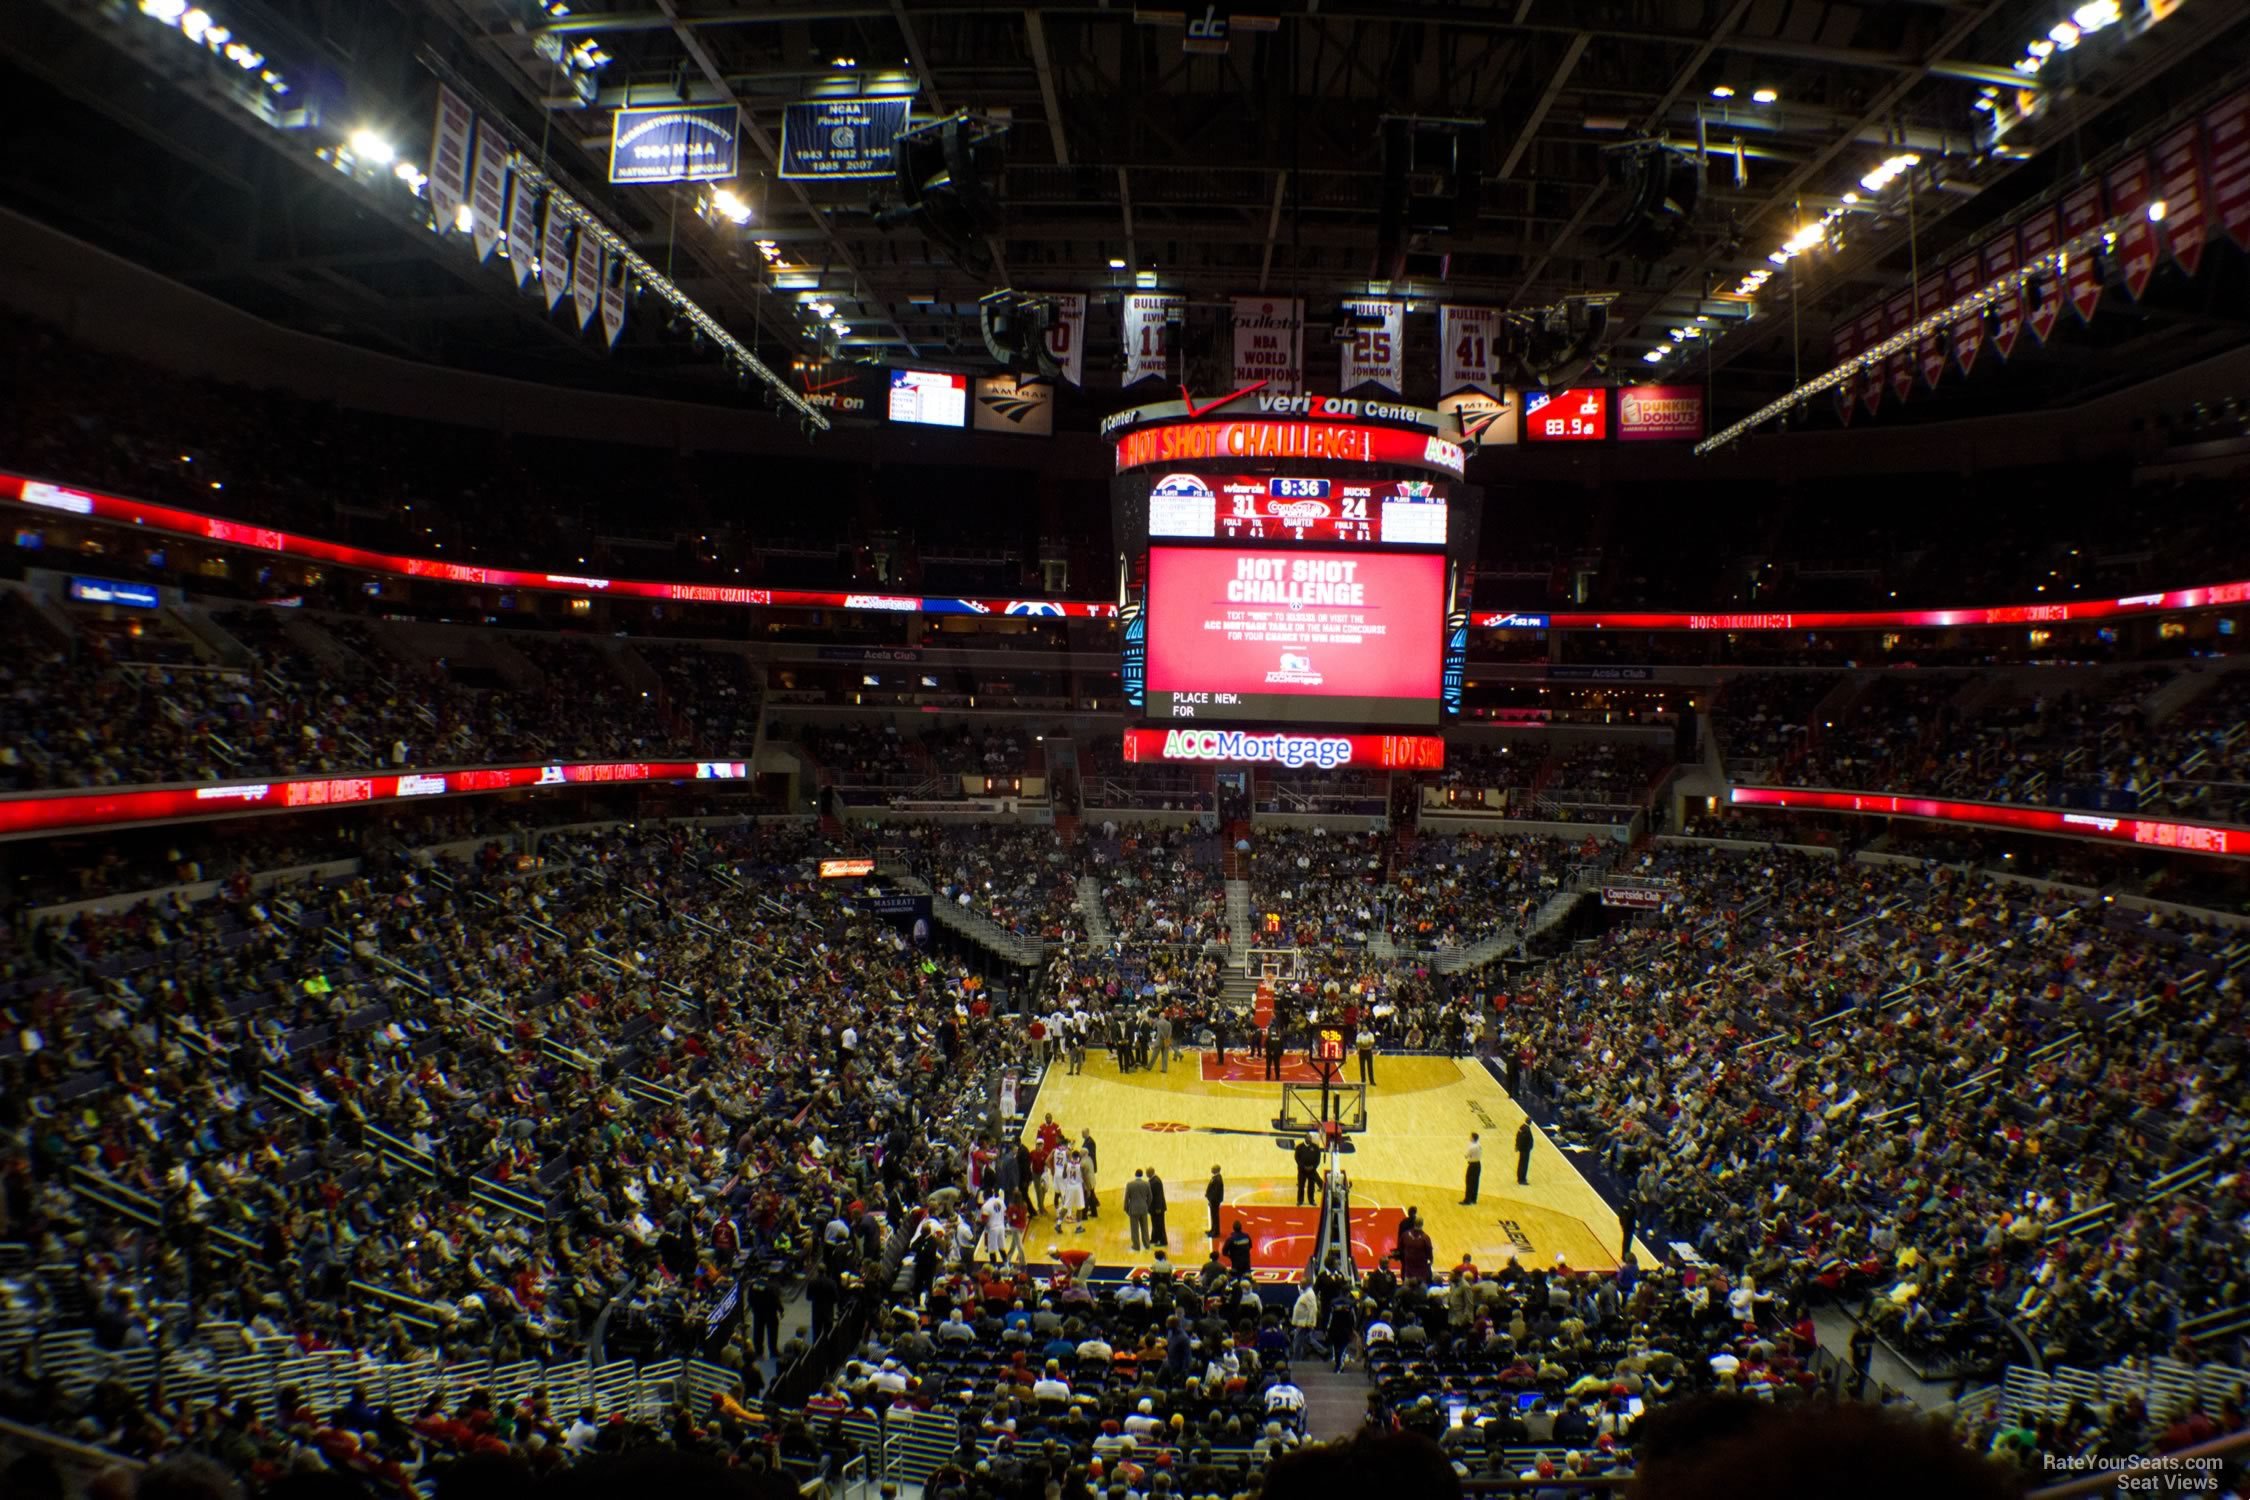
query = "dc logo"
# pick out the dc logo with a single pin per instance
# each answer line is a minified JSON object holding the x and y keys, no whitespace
{"x":842,"y":137}
{"x":1036,"y":607}
{"x":1165,"y":1127}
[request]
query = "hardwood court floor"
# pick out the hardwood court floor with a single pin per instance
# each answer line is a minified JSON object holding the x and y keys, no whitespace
{"x":1419,"y":1115}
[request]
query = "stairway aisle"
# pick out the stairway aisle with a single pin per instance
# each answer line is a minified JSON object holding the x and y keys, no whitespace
{"x":1335,"y":1405}
{"x":1090,"y":906}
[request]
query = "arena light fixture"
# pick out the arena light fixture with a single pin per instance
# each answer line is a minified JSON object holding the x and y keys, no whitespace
{"x":1764,"y":96}
{"x":729,"y":206}
{"x":1723,"y":91}
{"x":371,"y":148}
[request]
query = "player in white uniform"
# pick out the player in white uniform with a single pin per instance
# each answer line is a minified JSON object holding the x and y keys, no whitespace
{"x":995,"y":1226}
{"x":1070,"y":1192}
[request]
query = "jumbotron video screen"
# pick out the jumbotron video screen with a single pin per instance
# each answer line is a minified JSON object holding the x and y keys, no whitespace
{"x":1289,"y":635}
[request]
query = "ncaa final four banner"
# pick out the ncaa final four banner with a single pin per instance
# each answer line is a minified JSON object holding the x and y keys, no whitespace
{"x":449,"y":157}
{"x":1066,"y":336}
{"x":1147,"y":330}
{"x":1466,"y":336}
{"x":1375,"y":351}
{"x":1269,"y":343}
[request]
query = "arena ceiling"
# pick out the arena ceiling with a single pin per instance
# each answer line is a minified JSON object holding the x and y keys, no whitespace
{"x":1252,"y":166}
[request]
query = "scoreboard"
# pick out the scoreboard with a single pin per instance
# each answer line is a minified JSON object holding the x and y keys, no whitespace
{"x":1295,"y":508}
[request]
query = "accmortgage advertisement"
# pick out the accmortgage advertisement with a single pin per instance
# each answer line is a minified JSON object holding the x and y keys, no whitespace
{"x":1286,"y":637}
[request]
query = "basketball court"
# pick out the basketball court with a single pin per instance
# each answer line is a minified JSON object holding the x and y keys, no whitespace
{"x":1420,"y":1110}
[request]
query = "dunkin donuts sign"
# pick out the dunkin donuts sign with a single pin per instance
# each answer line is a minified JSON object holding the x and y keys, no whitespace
{"x":1659,"y":413}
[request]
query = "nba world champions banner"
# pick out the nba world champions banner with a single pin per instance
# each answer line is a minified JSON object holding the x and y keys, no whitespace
{"x":1269,"y":343}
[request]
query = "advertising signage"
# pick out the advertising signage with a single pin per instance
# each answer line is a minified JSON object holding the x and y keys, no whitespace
{"x":45,"y":812}
{"x":1183,"y":443}
{"x":2152,"y":833}
{"x":1573,"y":416}
{"x":1388,"y":752}
{"x":1659,"y":413}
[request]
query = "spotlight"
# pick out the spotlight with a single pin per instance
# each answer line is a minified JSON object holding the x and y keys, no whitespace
{"x":372,"y":148}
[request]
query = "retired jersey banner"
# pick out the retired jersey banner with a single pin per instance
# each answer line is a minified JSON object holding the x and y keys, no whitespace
{"x":674,"y":143}
{"x":1468,"y":340}
{"x":523,"y":228}
{"x":1842,"y":345}
{"x":2136,"y":237}
{"x":2082,"y":213}
{"x":2226,"y":167}
{"x":1148,"y":334}
{"x":1899,"y":317}
{"x":2043,"y":294}
{"x":1375,"y":353}
{"x":1929,"y":349}
{"x":586,"y":276}
{"x":2179,"y":173}
{"x":449,"y":158}
{"x":1874,"y":326}
{"x":1659,"y":413}
{"x":488,"y":190}
{"x":1968,"y":329}
{"x":1269,"y":343}
{"x":1066,"y":336}
{"x":2007,"y":308}
{"x":554,"y":250}
{"x":1006,"y":403}
{"x":613,"y":298}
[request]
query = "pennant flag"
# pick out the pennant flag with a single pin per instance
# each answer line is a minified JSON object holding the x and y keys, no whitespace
{"x":586,"y":276}
{"x":488,"y":189}
{"x":449,"y":158}
{"x":1375,"y":353}
{"x":523,"y":228}
{"x":2226,"y":168}
{"x":2082,"y":212}
{"x":554,"y":250}
{"x":1929,"y":349}
{"x":2000,"y":265}
{"x":613,"y":298}
{"x":1269,"y":344}
{"x":1468,"y":343}
{"x":1066,"y":336}
{"x":2136,"y":239}
{"x":2043,"y":289}
{"x":1899,"y":318}
{"x":1148,"y":334}
{"x":2179,"y":170}
{"x":1872,"y":324}
{"x":1842,"y":345}
{"x":1968,"y":329}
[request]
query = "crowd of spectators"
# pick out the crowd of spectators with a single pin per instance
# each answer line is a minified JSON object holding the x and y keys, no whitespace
{"x":1452,"y":891}
{"x":1160,"y":885}
{"x":1312,"y":886}
{"x":1022,"y":878}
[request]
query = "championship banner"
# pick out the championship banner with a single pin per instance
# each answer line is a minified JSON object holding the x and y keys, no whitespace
{"x":1066,"y":336}
{"x":1899,"y":316}
{"x":2226,"y":136}
{"x":1659,"y":413}
{"x":1005,"y":403}
{"x":488,"y":190}
{"x":1148,"y":335}
{"x":523,"y":228}
{"x":2082,"y":212}
{"x":586,"y":276}
{"x":554,"y":250}
{"x":1872,"y":326}
{"x":449,"y":157}
{"x":2007,"y":308}
{"x":2136,"y":238}
{"x":1375,"y":354}
{"x":2179,"y":168}
{"x":2043,"y":293}
{"x":1842,"y":345}
{"x":1968,"y":329}
{"x":613,"y":298}
{"x":1269,"y":343}
{"x":671,"y":143}
{"x":1467,"y":338}
{"x":841,"y":138}
{"x":1929,"y":349}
